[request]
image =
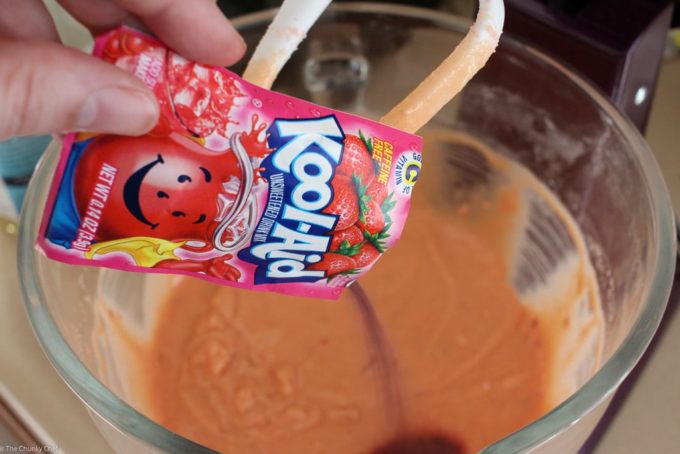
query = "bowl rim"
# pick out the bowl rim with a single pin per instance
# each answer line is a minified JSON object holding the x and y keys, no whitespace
{"x":122,"y":417}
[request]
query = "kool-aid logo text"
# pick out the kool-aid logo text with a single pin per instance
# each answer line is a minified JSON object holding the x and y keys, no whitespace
{"x":293,"y":230}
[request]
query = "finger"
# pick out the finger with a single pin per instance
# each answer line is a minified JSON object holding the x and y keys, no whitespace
{"x":26,"y":20}
{"x":48,"y":88}
{"x":100,"y":16}
{"x":97,"y":15}
{"x":196,"y":29}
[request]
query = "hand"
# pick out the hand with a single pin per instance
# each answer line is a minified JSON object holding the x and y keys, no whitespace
{"x":48,"y":88}
{"x":216,"y":267}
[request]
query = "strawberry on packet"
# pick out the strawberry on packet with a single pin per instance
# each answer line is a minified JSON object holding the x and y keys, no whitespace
{"x":236,"y":184}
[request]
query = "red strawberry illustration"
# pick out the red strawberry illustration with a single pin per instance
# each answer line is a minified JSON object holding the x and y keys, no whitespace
{"x":352,"y":235}
{"x":377,"y":191}
{"x":344,"y":203}
{"x":334,"y":264}
{"x":372,"y":219}
{"x":356,"y":160}
{"x":367,"y":255}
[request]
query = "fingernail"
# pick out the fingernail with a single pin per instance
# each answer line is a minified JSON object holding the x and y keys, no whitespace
{"x":118,"y":110}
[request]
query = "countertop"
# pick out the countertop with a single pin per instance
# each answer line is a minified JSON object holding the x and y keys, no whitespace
{"x":648,"y":419}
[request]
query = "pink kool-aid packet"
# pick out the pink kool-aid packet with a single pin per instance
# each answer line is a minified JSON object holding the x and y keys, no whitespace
{"x":236,"y":184}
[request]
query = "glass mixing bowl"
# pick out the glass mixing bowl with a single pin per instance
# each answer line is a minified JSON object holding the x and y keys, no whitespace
{"x":364,"y":58}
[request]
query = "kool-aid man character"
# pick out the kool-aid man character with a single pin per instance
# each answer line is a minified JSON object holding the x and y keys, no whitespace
{"x":153,"y":196}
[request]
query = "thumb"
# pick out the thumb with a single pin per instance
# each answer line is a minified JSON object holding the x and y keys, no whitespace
{"x":48,"y":88}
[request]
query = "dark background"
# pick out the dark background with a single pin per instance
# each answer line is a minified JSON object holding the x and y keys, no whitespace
{"x":617,"y":44}
{"x":233,"y":8}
